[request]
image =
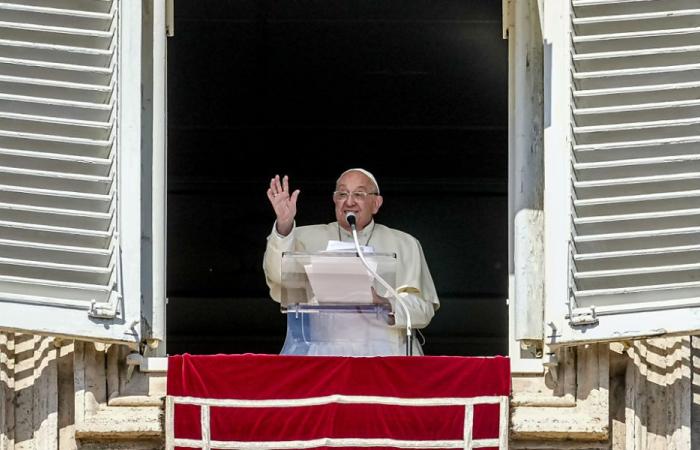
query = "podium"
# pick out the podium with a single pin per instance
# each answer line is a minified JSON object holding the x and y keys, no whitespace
{"x":327,"y":299}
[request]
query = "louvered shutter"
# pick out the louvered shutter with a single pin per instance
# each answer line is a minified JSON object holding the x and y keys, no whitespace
{"x":634,"y":245}
{"x":68,"y":111}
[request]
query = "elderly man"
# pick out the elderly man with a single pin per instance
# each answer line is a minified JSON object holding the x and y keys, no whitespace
{"x":356,"y":191}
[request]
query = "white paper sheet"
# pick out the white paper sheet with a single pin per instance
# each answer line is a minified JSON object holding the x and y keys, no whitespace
{"x":340,"y":280}
{"x":341,"y":246}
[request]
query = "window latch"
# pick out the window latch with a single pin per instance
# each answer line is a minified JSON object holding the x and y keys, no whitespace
{"x":583,"y":317}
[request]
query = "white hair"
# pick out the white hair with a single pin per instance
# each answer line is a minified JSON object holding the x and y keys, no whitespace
{"x":367,"y":173}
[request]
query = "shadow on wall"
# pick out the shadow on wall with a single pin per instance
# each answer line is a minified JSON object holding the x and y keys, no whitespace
{"x":29,"y":399}
{"x":656,"y":390}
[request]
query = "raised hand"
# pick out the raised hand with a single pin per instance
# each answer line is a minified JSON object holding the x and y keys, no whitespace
{"x":284,"y":203}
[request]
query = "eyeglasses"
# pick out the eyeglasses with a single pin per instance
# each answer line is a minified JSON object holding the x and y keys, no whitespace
{"x":358,"y":196}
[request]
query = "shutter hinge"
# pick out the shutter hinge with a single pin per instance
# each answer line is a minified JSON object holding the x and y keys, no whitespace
{"x":102,"y":310}
{"x":583,"y":317}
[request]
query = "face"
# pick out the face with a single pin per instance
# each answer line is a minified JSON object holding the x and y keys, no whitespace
{"x":363,"y":209}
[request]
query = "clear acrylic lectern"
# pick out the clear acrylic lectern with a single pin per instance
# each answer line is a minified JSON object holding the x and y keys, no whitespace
{"x":327,"y":298}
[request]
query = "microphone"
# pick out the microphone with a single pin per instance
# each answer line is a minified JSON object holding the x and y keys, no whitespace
{"x":351,"y":218}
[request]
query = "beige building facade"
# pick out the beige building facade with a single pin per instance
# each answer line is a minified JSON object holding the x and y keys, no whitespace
{"x":604,"y":146}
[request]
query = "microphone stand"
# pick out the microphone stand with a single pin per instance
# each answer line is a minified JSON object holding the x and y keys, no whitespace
{"x":350,"y":217}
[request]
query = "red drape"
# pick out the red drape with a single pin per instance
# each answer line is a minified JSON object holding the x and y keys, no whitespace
{"x":266,"y":398}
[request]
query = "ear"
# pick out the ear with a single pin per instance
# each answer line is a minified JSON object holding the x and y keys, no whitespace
{"x":378,"y":200}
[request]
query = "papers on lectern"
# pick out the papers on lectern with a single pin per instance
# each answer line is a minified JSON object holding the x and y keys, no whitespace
{"x":340,"y":280}
{"x":340,"y":246}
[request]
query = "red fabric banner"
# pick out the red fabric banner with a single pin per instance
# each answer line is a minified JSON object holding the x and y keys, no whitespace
{"x":265,"y":401}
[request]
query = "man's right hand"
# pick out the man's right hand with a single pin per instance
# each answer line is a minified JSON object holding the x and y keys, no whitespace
{"x":284,"y":204}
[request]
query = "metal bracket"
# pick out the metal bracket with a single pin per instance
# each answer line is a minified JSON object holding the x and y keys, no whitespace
{"x":551,"y":364}
{"x":103,"y":310}
{"x":587,"y":317}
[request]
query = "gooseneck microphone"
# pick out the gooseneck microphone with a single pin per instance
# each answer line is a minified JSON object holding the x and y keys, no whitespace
{"x":351,"y":218}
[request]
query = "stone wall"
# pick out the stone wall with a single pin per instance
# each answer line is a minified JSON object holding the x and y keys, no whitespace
{"x":66,"y":395}
{"x":637,"y":395}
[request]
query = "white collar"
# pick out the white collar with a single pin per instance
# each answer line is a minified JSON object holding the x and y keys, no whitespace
{"x":363,"y":235}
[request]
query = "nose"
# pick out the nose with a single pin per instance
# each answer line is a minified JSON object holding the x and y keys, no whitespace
{"x":350,"y":200}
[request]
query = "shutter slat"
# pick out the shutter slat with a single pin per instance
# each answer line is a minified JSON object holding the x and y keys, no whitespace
{"x":70,"y":105}
{"x":92,"y":257}
{"x":637,"y":241}
{"x":632,"y":53}
{"x":631,"y":169}
{"x":26,"y":215}
{"x":57,"y":53}
{"x":33,"y":63}
{"x":76,"y":123}
{"x":623,"y":90}
{"x":55,"y":72}
{"x":64,"y":249}
{"x":627,"y":235}
{"x":58,"y":49}
{"x":615,"y":273}
{"x":10,"y":6}
{"x":57,"y":175}
{"x":37,"y":234}
{"x":637,"y":162}
{"x":642,"y":147}
{"x":17,"y":288}
{"x":638,"y":125}
{"x":636,"y":198}
{"x":635,"y":107}
{"x":57,"y":138}
{"x":56,"y":84}
{"x":641,"y":252}
{"x":636,"y":16}
{"x":656,"y":296}
{"x":663,"y":256}
{"x":66,"y":30}
{"x":56,"y":229}
{"x":61,"y":267}
{"x":636,"y":34}
{"x":637,"y":222}
{"x":647,"y":78}
{"x":635,"y":71}
{"x":80,"y":256}
{"x":28,"y":155}
{"x":638,"y":204}
{"x":637,"y":216}
{"x":57,"y":211}
{"x":689,"y":176}
{"x":105,"y":198}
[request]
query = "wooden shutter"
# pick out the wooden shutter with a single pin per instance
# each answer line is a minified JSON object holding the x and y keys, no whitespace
{"x":61,"y":147}
{"x":634,"y":253}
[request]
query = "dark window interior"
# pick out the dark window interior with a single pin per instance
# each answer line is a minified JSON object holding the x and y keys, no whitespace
{"x":414,"y":91}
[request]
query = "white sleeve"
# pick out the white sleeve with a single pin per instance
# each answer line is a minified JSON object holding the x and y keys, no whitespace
{"x":421,"y":311}
{"x":272,"y":261}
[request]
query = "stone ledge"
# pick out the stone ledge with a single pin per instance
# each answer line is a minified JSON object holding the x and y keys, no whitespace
{"x":557,"y":423}
{"x":122,"y":423}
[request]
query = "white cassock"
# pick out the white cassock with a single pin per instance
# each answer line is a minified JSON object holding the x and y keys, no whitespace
{"x":358,"y":334}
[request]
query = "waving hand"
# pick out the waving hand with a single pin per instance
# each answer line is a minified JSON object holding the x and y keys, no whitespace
{"x":284,"y":203}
